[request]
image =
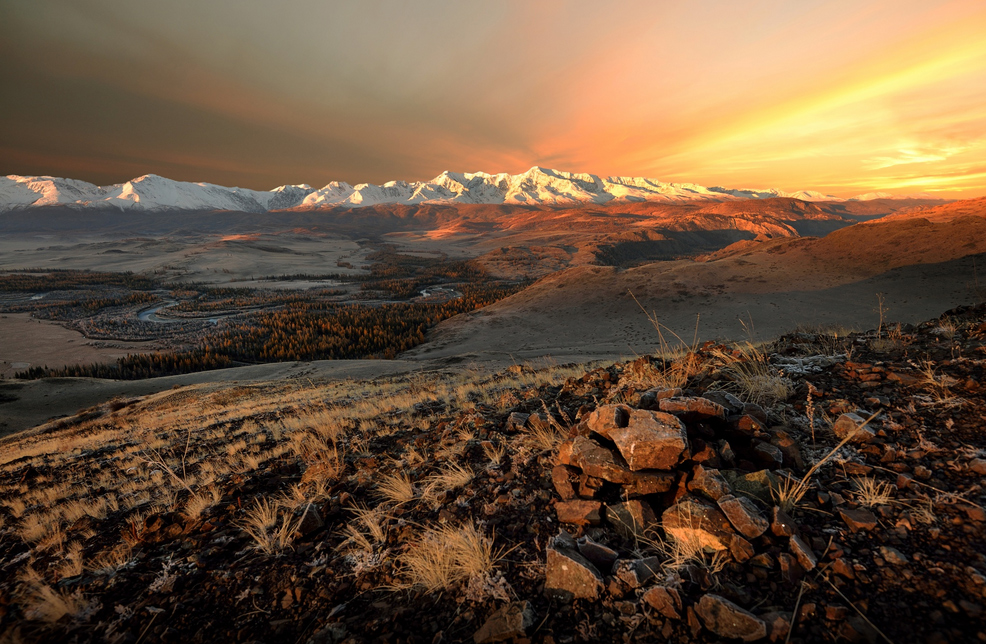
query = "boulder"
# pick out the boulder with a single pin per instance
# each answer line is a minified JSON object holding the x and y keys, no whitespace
{"x":803,"y":553}
{"x":696,"y":522}
{"x":726,"y":619}
{"x":759,"y":485}
{"x":744,"y":515}
{"x":692,"y":406}
{"x":569,"y":575}
{"x":598,"y":461}
{"x":607,"y":418}
{"x":666,"y":601}
{"x":562,"y":478}
{"x":709,"y":483}
{"x":579,"y":512}
{"x":652,"y":440}
{"x":510,"y":622}
{"x":650,"y":482}
{"x":516,"y":422}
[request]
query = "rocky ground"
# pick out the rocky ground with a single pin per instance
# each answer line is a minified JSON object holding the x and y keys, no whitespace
{"x":817,"y":489}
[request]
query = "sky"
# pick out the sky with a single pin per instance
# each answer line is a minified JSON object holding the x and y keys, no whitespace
{"x":845,"y":97}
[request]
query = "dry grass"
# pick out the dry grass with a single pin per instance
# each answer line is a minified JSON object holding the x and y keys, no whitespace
{"x":450,"y":477}
{"x":446,"y":556}
{"x":270,"y":535}
{"x":494,"y":452}
{"x":752,"y":377}
{"x":367,"y":530}
{"x":396,"y":489}
{"x":792,"y":490}
{"x":43,"y":603}
{"x":871,"y":492}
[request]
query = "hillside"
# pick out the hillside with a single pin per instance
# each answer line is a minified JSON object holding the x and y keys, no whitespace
{"x":789,"y":494}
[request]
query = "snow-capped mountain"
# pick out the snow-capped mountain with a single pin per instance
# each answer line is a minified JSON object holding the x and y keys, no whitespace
{"x":537,"y":186}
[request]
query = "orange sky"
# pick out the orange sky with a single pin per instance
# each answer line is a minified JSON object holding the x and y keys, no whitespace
{"x":844,"y":97}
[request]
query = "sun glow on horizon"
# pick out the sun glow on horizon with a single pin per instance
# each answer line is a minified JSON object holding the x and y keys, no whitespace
{"x":840,"y":97}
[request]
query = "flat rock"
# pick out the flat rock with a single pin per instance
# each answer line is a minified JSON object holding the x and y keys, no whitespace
{"x":569,"y":575}
{"x":726,"y":619}
{"x":744,"y":515}
{"x":509,"y":622}
{"x":652,"y":441}
{"x":598,"y":461}
{"x":562,"y":478}
{"x":758,"y":485}
{"x":708,"y":482}
{"x":579,"y":512}
{"x":602,"y":557}
{"x":781,"y":523}
{"x":606,"y":418}
{"x":852,"y":425}
{"x":695,"y":521}
{"x":858,"y":519}
{"x":516,"y":421}
{"x":666,"y":601}
{"x":768,"y":455}
{"x":650,"y":482}
{"x":692,"y":406}
{"x":803,"y":553}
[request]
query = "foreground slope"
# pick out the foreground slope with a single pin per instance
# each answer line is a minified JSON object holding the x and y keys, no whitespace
{"x":830,"y":490}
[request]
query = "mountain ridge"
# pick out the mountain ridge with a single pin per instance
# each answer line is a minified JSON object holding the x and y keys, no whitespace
{"x":537,"y":187}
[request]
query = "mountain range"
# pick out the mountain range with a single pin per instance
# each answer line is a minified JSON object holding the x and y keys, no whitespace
{"x":536,"y":187}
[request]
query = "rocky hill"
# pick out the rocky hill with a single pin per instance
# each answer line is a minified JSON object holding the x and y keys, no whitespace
{"x":820,"y":488}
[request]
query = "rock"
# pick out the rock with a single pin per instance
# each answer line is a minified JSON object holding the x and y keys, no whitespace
{"x":781,"y":524}
{"x":579,"y":512}
{"x":309,"y":519}
{"x":665,"y":601}
{"x":561,"y":478}
{"x":692,"y":407}
{"x":806,"y":558}
{"x":565,"y":452}
{"x":791,"y":570}
{"x":602,"y":557}
{"x":893,"y":556}
{"x":655,"y":482}
{"x":709,"y":483}
{"x":741,"y":549}
{"x":758,"y":485}
{"x":789,"y":448}
{"x":851,"y":424}
{"x":607,"y":418}
{"x":978,"y":465}
{"x":767,"y":455}
{"x":728,"y":401}
{"x":631,"y":518}
{"x":744,"y":516}
{"x":778,"y":624}
{"x":569,"y":575}
{"x":858,"y":519}
{"x":755,"y":410}
{"x":636,"y":572}
{"x":516,"y":422}
{"x":598,"y":461}
{"x":726,"y":619}
{"x":696,"y":522}
{"x":510,"y":622}
{"x":652,"y":440}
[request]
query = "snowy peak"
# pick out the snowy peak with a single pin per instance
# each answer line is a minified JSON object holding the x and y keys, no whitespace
{"x":537,"y":186}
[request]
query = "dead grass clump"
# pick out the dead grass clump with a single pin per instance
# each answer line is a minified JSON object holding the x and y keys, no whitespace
{"x":444,"y":557}
{"x":450,"y":477}
{"x":871,"y":492}
{"x":269,"y":535}
{"x":752,"y":377}
{"x":544,"y":435}
{"x":43,"y":603}
{"x":396,"y":488}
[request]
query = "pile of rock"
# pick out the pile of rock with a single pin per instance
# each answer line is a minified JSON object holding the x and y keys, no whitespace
{"x":698,"y":470}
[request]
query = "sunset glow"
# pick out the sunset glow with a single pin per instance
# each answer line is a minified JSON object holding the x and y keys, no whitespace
{"x":841,"y":97}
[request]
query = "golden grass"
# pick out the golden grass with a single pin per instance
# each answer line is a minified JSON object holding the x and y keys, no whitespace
{"x":270,"y":535}
{"x":752,"y":377}
{"x":41,"y":602}
{"x":396,"y":489}
{"x":871,"y":492}
{"x":443,"y":557}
